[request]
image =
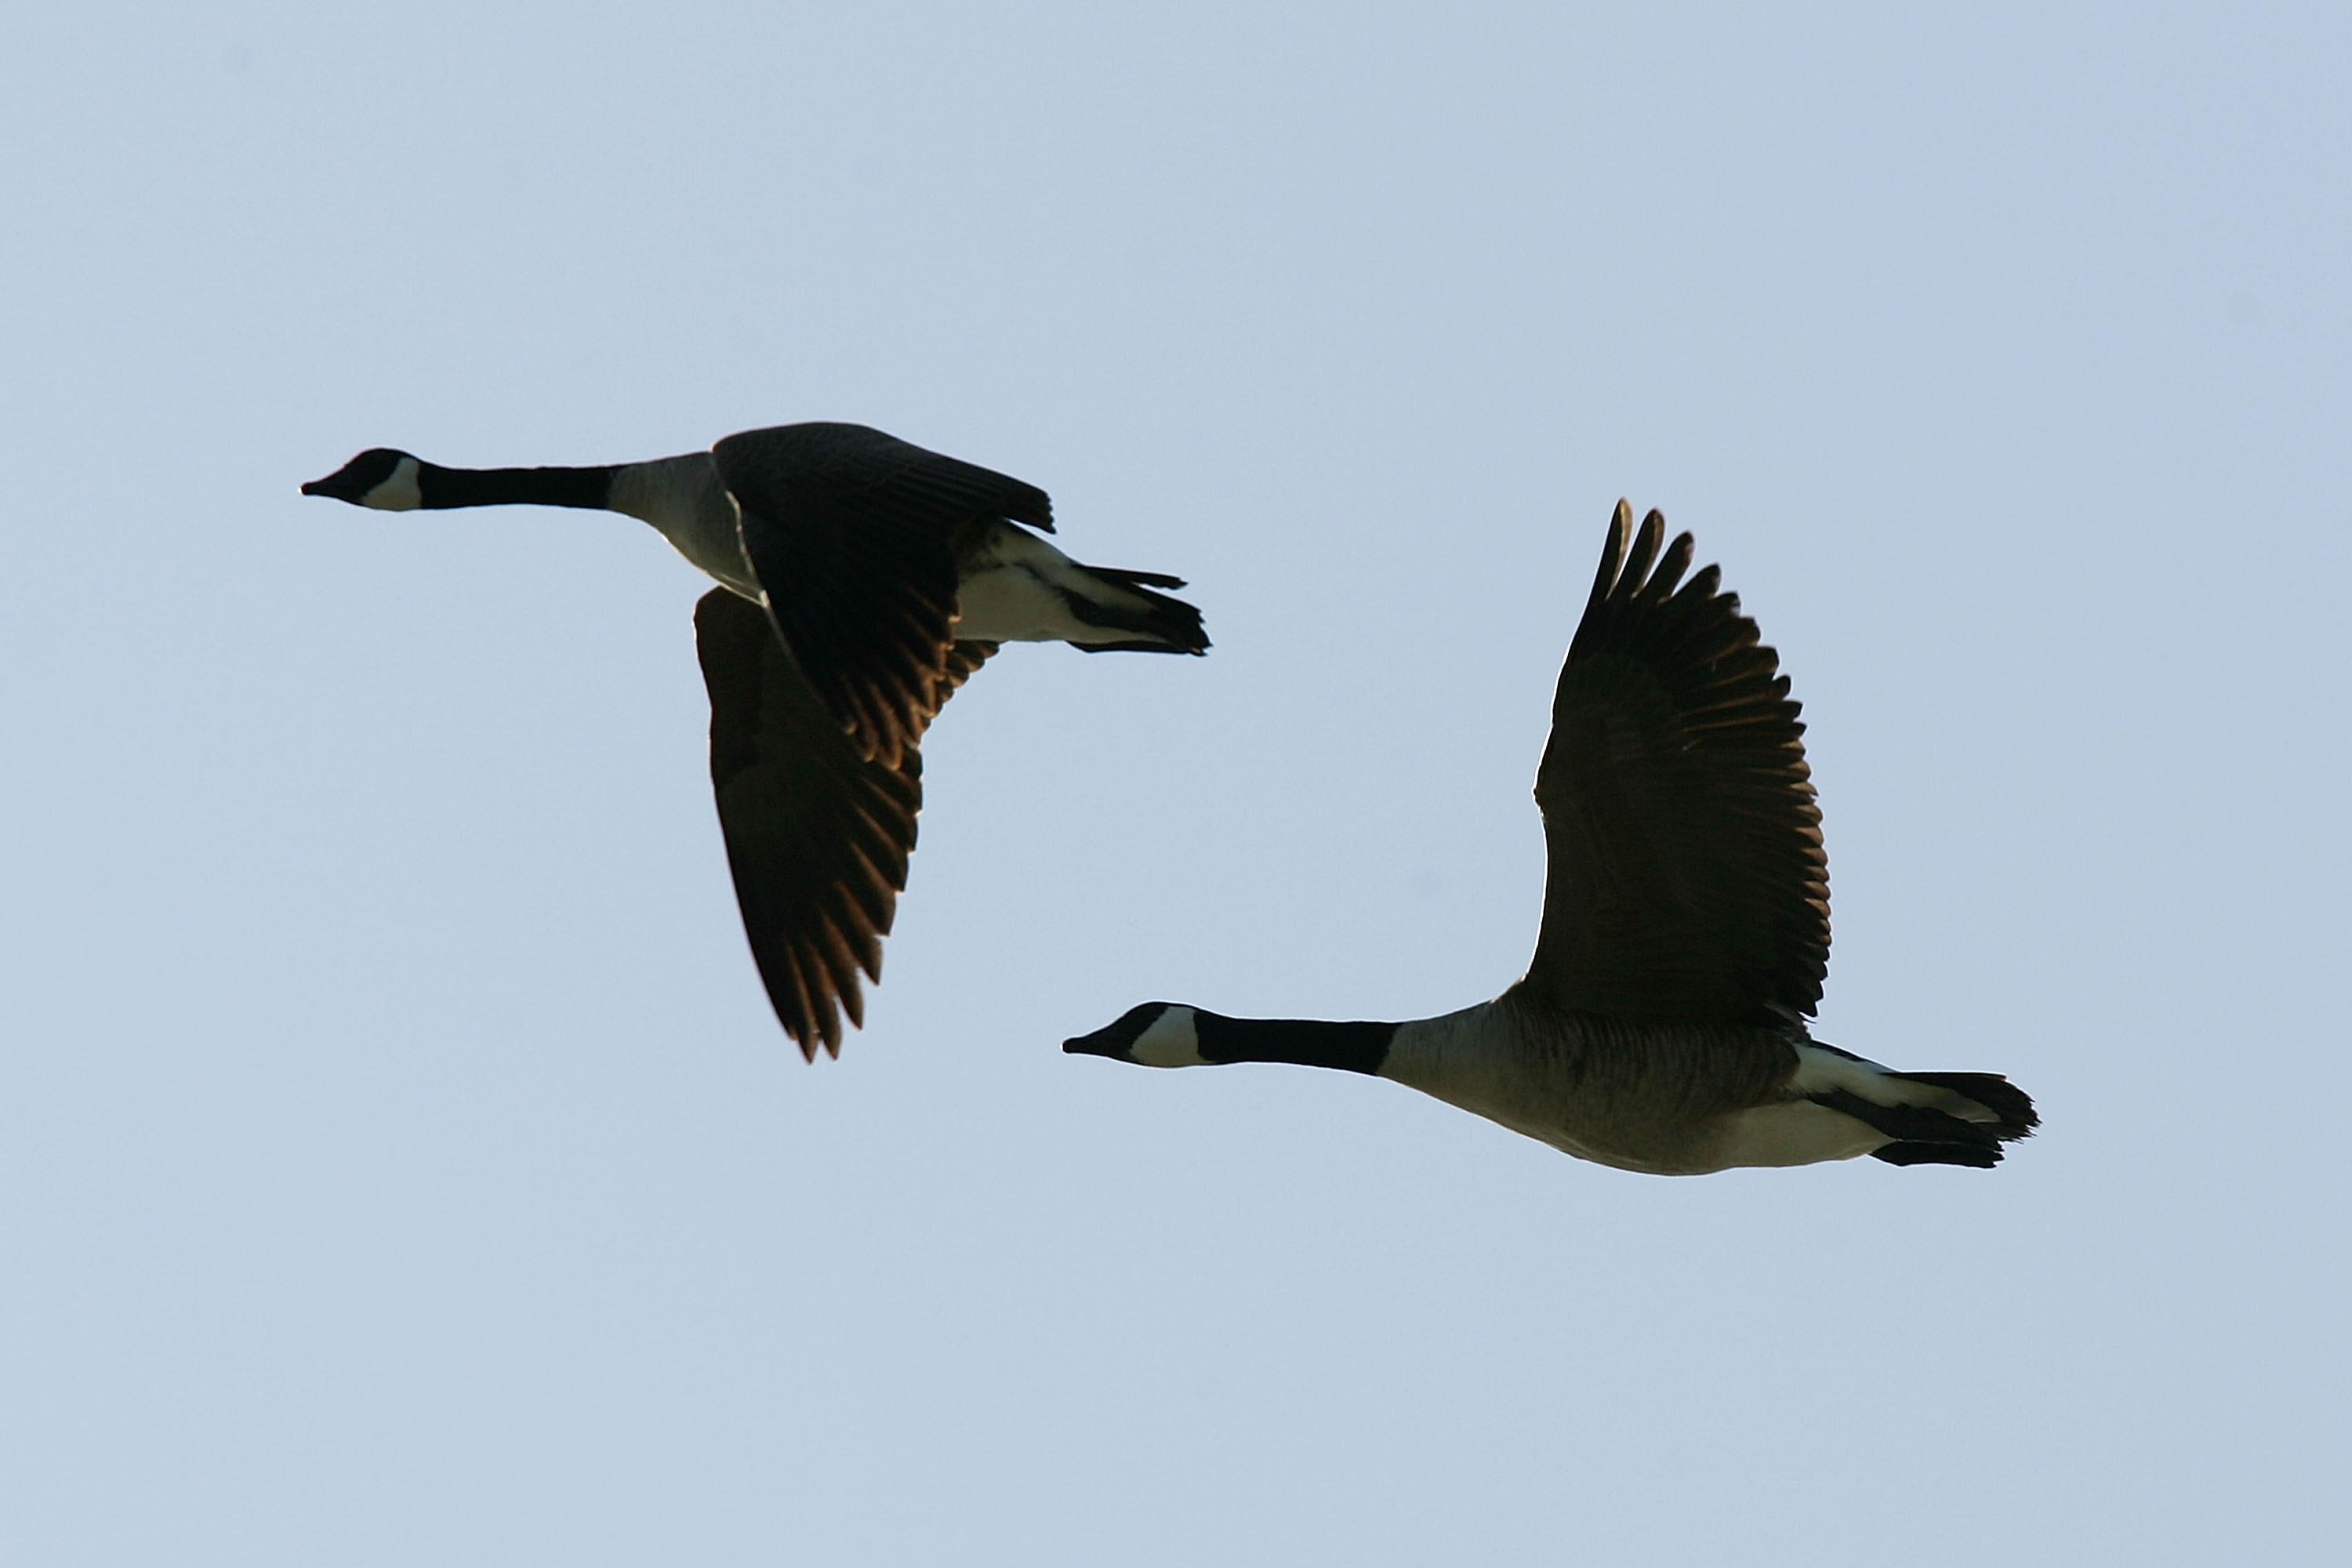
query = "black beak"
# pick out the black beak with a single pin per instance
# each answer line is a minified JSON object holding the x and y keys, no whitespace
{"x":1115,"y":1039}
{"x":1095,"y":1045}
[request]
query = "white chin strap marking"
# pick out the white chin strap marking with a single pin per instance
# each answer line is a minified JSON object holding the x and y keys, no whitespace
{"x":1171,"y":1042}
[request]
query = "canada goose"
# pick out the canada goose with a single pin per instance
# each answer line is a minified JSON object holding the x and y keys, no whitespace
{"x":861,"y":580}
{"x":1660,"y":1026}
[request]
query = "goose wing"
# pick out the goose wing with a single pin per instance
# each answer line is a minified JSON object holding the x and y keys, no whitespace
{"x":817,"y":836}
{"x":853,"y":534}
{"x":1686,"y":881}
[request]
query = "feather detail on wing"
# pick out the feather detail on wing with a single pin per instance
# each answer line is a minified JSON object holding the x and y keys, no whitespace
{"x":854,"y":536}
{"x":817,"y":837}
{"x":1686,"y":880}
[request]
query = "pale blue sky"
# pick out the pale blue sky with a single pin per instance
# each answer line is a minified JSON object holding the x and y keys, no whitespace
{"x":398,"y":1160}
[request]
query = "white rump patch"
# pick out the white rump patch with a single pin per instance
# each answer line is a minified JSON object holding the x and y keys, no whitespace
{"x":1012,"y":604}
{"x":1820,"y":1070}
{"x":1016,"y":587}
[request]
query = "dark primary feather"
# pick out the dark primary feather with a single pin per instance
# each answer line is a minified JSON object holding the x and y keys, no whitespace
{"x":817,"y":837}
{"x":1686,"y":881}
{"x":853,"y":536}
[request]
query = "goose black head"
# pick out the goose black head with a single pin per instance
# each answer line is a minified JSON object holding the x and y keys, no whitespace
{"x":379,"y":478}
{"x":1155,"y":1034}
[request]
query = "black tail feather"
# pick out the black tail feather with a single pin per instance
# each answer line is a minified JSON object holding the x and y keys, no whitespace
{"x":1914,"y":1123}
{"x":1925,"y":1136}
{"x":1137,"y":579}
{"x":1995,"y":1093}
{"x":1164,"y":625}
{"x":1938,"y":1154}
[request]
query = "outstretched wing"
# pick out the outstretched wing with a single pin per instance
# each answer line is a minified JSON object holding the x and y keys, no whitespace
{"x":1686,"y":881}
{"x":853,"y":534}
{"x":817,"y":837}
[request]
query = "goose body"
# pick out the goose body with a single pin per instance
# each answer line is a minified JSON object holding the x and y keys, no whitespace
{"x":861,"y":579}
{"x":1660,"y":1026}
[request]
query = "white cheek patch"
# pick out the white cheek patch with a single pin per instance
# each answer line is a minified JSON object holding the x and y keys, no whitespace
{"x":399,"y":491}
{"x":1171,"y":1041}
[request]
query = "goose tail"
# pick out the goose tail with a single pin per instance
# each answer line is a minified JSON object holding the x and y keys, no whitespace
{"x":1927,"y":1118}
{"x":1134,"y":615}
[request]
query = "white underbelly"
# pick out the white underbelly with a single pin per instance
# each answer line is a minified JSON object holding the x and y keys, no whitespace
{"x":1798,"y":1132}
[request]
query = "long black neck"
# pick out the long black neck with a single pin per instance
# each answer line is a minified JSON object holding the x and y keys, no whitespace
{"x":439,"y":487}
{"x":1309,"y":1042}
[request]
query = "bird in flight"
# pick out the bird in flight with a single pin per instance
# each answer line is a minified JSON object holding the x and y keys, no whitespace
{"x":1661,"y":1024}
{"x":861,"y":579}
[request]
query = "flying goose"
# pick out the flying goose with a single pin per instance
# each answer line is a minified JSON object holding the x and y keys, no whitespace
{"x":862,"y":580}
{"x":1660,"y":1026}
